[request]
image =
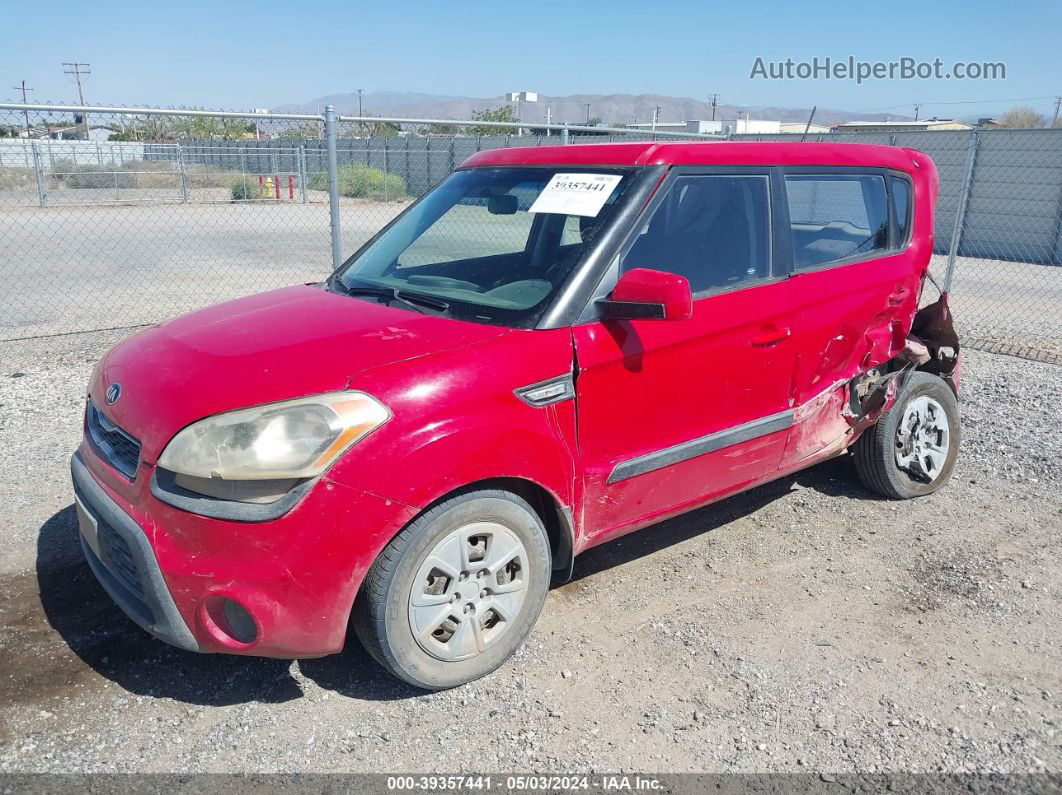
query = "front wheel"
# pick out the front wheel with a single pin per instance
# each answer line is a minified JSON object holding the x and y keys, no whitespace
{"x":910,"y":451}
{"x":455,"y":593}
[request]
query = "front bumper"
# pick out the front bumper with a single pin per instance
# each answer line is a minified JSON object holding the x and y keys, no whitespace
{"x":172,"y":571}
{"x":121,"y":557}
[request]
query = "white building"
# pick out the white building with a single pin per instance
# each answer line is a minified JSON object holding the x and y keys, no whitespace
{"x":699,"y":126}
{"x":798,"y":127}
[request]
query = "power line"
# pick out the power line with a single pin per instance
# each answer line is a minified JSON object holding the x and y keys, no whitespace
{"x":79,"y":70}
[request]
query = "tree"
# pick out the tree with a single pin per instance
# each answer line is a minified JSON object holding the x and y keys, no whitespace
{"x":503,"y":113}
{"x":300,"y":132}
{"x":380,"y":129}
{"x":441,"y":129}
{"x":198,"y":128}
{"x":1022,"y":116}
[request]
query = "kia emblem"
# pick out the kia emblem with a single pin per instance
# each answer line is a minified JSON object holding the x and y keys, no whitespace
{"x":114,"y":391}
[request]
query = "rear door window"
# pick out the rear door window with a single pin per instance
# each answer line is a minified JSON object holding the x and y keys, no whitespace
{"x":714,"y":230}
{"x":836,"y":217}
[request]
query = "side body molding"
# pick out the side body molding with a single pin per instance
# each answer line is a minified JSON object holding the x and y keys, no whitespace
{"x":695,"y":447}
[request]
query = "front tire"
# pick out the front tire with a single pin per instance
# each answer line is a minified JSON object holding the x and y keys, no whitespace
{"x":454,"y":594}
{"x":911,"y":450}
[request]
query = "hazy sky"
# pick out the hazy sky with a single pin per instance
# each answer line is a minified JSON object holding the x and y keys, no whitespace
{"x":261,"y":54}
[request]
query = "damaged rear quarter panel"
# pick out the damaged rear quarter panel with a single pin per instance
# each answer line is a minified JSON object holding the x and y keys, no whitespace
{"x":851,"y":319}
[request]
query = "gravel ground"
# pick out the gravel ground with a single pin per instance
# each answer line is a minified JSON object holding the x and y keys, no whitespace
{"x":803,"y":626}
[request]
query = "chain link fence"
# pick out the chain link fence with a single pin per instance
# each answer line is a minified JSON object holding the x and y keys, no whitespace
{"x":124,"y":217}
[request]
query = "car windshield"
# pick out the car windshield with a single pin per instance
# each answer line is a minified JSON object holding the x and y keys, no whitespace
{"x":488,"y":245}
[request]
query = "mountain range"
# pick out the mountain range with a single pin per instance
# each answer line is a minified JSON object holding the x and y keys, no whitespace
{"x":609,"y":108}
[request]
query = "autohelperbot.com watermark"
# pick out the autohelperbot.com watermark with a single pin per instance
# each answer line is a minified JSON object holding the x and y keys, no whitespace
{"x":852,"y":68}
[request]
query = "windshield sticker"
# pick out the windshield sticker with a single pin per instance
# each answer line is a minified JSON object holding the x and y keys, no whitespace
{"x":576,"y":194}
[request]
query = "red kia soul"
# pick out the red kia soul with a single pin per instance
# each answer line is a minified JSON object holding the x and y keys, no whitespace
{"x":554,"y":347}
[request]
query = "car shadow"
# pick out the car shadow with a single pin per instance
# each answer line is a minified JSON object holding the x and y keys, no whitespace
{"x":105,"y":641}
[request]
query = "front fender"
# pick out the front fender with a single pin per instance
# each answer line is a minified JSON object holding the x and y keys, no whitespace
{"x":457,"y":420}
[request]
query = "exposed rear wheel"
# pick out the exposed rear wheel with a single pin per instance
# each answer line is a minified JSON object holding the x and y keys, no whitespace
{"x":911,"y":450}
{"x":456,"y":592}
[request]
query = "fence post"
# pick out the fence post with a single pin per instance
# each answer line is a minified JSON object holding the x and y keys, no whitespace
{"x":1056,"y":253}
{"x":564,"y":136}
{"x":38,"y":170}
{"x":302,"y":172}
{"x":960,"y":211}
{"x":333,"y":185}
{"x":183,"y":173}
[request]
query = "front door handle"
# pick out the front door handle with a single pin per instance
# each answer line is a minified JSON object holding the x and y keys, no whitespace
{"x":771,"y":336}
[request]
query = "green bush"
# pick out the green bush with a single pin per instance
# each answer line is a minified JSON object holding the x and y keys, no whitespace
{"x":362,"y":182}
{"x":243,"y":189}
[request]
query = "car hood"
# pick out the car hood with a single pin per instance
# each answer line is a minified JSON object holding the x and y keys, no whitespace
{"x":273,"y":346}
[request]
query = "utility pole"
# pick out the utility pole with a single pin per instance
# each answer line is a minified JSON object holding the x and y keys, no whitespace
{"x":656,"y":115}
{"x":359,"y":110}
{"x":588,"y":114}
{"x":1054,"y":121}
{"x":715,"y":101}
{"x":549,"y":119}
{"x":25,"y":113}
{"x":916,"y":111}
{"x":79,"y":70}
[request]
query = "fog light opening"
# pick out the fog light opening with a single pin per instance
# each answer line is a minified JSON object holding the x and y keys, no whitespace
{"x":239,"y":623}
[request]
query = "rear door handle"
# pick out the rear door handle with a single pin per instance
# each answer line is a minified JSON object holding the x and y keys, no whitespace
{"x":771,"y":336}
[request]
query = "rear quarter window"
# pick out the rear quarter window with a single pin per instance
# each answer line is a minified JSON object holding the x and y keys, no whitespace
{"x":836,"y":217}
{"x":900,"y":190}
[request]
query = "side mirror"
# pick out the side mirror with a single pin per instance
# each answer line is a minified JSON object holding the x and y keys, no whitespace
{"x":645,"y":294}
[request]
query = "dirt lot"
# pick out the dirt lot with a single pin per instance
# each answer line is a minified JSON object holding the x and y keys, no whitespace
{"x":802,"y":626}
{"x":79,"y":268}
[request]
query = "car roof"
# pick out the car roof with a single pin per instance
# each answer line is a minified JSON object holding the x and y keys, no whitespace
{"x":706,"y":153}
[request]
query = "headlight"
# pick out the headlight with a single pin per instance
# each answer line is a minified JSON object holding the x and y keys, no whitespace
{"x":292,"y":440}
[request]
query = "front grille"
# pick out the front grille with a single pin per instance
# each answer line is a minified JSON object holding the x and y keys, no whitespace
{"x":116,"y":446}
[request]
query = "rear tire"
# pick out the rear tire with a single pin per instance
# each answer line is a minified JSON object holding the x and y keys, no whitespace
{"x":911,"y":450}
{"x":454,"y":594}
